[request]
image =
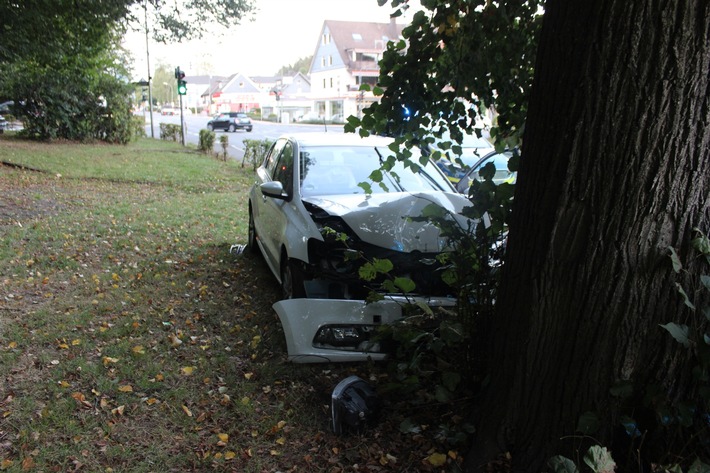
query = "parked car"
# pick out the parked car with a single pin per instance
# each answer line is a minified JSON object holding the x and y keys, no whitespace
{"x":230,"y":121}
{"x":169,"y":111}
{"x":315,"y":225}
{"x":310,"y":117}
{"x":473,"y":149}
{"x":501,"y":173}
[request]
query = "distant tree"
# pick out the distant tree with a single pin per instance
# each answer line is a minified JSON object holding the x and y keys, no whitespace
{"x":62,"y":64}
{"x":303,"y":65}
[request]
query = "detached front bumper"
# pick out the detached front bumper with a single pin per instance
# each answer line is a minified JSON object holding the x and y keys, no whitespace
{"x":341,"y":330}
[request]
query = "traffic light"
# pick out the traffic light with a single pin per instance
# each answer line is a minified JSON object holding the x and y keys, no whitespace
{"x":181,"y":82}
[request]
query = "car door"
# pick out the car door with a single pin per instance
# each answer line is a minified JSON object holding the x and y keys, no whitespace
{"x":272,"y":211}
{"x":220,"y":121}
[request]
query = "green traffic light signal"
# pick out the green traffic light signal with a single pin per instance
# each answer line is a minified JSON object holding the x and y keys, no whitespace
{"x":182,"y":87}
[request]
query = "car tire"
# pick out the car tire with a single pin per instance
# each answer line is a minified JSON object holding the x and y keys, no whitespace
{"x":292,"y":280}
{"x":249,"y":129}
{"x":210,"y":127}
{"x":252,"y":246}
{"x":232,"y":128}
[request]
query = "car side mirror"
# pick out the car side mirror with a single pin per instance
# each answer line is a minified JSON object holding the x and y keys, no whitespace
{"x":273,"y":189}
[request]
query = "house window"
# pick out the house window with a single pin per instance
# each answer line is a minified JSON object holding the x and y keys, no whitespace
{"x":326,"y":38}
{"x":322,"y":61}
{"x":357,"y":36}
{"x":366,"y":80}
{"x":331,"y":82}
{"x":324,"y":83}
{"x":366,"y":57}
{"x":241,"y":84}
{"x":330,"y":60}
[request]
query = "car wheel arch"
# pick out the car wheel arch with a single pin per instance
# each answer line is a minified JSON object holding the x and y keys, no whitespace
{"x":292,"y":276}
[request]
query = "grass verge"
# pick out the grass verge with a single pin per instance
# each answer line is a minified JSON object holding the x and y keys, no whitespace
{"x":133,"y":339}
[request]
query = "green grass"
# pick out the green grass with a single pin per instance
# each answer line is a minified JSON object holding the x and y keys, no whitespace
{"x":132,"y":340}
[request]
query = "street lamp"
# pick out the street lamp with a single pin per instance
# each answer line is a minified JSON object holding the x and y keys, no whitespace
{"x":171,"y":92}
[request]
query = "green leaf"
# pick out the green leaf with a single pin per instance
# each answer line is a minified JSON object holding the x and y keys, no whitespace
{"x":677,"y":266}
{"x":679,"y":332}
{"x":382,"y":265}
{"x":405,"y":284}
{"x":701,"y":242}
{"x":442,"y":394}
{"x":684,"y":295}
{"x":705,"y":280}
{"x":367,"y":272}
{"x":408,"y":426}
{"x":560,"y":464}
{"x":699,"y":467}
{"x":599,"y":460}
{"x":451,"y":332}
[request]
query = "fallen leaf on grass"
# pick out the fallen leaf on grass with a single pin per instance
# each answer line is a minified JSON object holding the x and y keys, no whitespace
{"x":108,"y":360}
{"x":139,"y":350}
{"x":126,"y":388}
{"x":81,"y":400}
{"x":174,"y":340}
{"x":118,"y":411}
{"x":187,"y":370}
{"x":187,"y":411}
{"x":28,"y":463}
{"x":437,"y":459}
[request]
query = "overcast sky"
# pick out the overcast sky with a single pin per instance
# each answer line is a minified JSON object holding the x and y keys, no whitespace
{"x":283,"y":31}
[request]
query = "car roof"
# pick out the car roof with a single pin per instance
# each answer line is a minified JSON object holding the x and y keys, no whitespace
{"x":337,"y":139}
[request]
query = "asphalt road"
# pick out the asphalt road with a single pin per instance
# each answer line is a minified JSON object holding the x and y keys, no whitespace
{"x":235,"y":150}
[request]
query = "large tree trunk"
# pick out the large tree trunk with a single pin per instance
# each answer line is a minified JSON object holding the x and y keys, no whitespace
{"x":615,"y":169}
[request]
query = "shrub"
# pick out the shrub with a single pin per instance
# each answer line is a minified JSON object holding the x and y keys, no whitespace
{"x":224,"y":142}
{"x":138,"y":127}
{"x":206,"y":143}
{"x":254,"y":151}
{"x":170,"y":132}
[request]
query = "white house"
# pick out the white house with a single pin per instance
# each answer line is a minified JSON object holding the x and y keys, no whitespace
{"x":347,"y":55}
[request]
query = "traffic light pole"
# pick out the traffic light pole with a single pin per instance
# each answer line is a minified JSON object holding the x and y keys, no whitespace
{"x":182,"y":90}
{"x":182,"y":123}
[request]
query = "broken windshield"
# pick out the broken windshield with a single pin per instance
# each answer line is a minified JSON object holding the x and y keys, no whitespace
{"x":337,"y":170}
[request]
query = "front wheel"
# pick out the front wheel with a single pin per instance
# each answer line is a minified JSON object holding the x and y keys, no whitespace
{"x":232,"y":128}
{"x":249,"y":129}
{"x":210,"y":127}
{"x":292,"y":280}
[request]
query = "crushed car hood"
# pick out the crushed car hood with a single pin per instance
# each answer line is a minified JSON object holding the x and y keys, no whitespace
{"x":385,"y":220}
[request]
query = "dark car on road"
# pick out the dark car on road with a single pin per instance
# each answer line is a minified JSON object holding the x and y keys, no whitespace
{"x":230,"y":121}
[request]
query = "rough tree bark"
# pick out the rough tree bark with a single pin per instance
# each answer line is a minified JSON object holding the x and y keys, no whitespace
{"x":615,"y":169}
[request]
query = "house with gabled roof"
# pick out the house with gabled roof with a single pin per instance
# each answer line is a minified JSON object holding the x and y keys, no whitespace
{"x":238,"y":94}
{"x":347,"y":55}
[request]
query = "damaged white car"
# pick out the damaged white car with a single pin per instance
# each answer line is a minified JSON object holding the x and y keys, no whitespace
{"x":317,"y":219}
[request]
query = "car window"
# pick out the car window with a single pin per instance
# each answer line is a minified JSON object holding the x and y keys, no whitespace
{"x":272,"y":157}
{"x":283,"y":171}
{"x":502,"y":174}
{"x":337,"y":170}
